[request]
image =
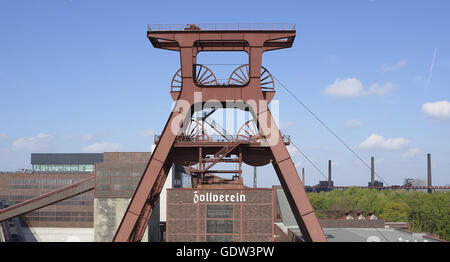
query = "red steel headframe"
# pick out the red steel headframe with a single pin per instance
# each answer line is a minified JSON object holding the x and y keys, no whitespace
{"x":189,"y":41}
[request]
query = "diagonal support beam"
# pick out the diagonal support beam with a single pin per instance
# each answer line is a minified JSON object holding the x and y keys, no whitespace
{"x":290,"y":181}
{"x":47,"y":199}
{"x":147,"y":192}
{"x":150,"y":204}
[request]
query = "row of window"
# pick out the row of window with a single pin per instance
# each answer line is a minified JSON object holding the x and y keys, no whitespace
{"x":219,"y":211}
{"x":64,"y":168}
{"x":44,"y":181}
{"x":23,"y":198}
{"x":61,"y":219}
{"x":74,"y":201}
{"x":219,"y":226}
{"x":59,"y":214}
{"x":34,"y":187}
{"x":61,"y":203}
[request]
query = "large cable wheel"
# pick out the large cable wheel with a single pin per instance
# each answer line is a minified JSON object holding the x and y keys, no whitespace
{"x":177,"y":82}
{"x":249,"y":131}
{"x":204,"y":76}
{"x":195,"y":131}
{"x":240,"y":76}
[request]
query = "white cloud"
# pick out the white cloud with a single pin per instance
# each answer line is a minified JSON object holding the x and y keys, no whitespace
{"x":292,"y":150}
{"x":353,"y":123}
{"x":391,"y":68}
{"x":298,"y":164}
{"x":102,"y":147}
{"x":38,"y":142}
{"x":148,"y":132}
{"x":286,"y":126}
{"x":438,"y":110}
{"x":91,"y":137}
{"x":3,"y":136}
{"x":410,"y":153}
{"x":67,"y":137}
{"x":375,"y":141}
{"x":381,"y":90}
{"x":87,"y":137}
{"x":352,"y":87}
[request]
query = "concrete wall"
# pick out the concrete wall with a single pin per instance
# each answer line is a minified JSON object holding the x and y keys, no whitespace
{"x":58,"y":234}
{"x":116,"y":181}
{"x":108,"y":213}
{"x":2,"y":237}
{"x":163,"y":196}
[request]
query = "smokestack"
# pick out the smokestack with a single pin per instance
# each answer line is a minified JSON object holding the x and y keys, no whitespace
{"x":329,"y":173}
{"x":303,"y":175}
{"x":254,"y":177}
{"x":372,"y":172}
{"x":429,"y":173}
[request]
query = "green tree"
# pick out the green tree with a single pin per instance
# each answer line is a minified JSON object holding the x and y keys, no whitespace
{"x":424,"y":212}
{"x":395,"y":212}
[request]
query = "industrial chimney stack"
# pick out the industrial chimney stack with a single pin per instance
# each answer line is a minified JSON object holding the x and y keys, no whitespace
{"x":329,"y":173}
{"x":372,"y":172}
{"x":429,"y":173}
{"x":303,"y":176}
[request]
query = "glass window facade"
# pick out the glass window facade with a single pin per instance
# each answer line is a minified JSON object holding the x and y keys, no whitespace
{"x":72,"y":168}
{"x":219,"y":223}
{"x":219,"y":211}
{"x":219,"y":226}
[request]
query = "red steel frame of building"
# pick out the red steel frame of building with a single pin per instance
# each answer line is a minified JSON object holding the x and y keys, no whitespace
{"x":189,"y":42}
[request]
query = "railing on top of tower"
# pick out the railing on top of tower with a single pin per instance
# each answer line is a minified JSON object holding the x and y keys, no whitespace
{"x":223,"y":27}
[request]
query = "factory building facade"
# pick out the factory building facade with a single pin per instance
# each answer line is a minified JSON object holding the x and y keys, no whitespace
{"x":220,"y":215}
{"x":91,"y":216}
{"x":52,"y":171}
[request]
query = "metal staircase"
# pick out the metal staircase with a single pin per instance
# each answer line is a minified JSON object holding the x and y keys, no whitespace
{"x":222,"y":153}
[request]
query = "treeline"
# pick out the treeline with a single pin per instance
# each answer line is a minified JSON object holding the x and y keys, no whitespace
{"x":424,"y":212}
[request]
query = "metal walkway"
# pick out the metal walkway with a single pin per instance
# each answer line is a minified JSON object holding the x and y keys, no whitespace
{"x":47,"y":199}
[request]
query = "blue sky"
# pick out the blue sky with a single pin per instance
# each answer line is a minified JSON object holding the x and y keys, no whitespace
{"x":81,"y":76}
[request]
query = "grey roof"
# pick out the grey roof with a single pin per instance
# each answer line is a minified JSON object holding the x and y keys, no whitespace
{"x":369,"y":235}
{"x":66,"y":158}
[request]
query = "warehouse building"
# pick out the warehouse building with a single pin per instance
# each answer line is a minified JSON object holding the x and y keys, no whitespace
{"x":91,"y":216}
{"x":72,"y":218}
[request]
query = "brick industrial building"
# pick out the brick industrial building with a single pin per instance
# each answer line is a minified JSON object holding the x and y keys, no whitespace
{"x":52,"y":171}
{"x":246,"y":216}
{"x":90,"y":216}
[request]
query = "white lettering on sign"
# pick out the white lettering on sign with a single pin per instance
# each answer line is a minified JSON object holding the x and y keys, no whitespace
{"x":211,"y":197}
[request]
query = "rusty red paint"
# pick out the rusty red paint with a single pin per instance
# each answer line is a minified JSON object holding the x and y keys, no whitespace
{"x":189,"y":41}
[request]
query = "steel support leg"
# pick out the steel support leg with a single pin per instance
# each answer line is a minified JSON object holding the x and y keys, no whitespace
{"x":290,"y":181}
{"x":150,"y":204}
{"x":147,"y":192}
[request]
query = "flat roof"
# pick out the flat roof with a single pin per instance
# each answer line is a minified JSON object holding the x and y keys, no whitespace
{"x":369,"y":235}
{"x":65,"y":158}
